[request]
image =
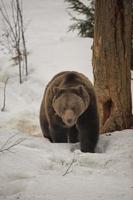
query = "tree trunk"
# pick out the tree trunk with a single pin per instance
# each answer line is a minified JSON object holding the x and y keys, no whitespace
{"x":112,"y":63}
{"x":132,"y":40}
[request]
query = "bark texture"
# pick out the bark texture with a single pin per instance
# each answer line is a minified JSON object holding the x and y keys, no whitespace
{"x":112,"y":63}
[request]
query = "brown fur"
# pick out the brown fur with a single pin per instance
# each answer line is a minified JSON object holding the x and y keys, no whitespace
{"x":71,"y":89}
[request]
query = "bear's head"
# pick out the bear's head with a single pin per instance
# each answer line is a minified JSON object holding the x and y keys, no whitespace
{"x":70,"y":103}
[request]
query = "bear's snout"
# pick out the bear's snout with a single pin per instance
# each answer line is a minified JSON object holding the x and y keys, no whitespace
{"x":69,"y":118}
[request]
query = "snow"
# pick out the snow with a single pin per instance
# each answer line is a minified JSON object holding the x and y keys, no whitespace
{"x":35,"y":168}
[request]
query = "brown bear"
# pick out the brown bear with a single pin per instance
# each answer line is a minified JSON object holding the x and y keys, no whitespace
{"x":69,"y":111}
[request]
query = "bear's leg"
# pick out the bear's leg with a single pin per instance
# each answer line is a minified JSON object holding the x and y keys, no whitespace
{"x":88,"y":138}
{"x":59,"y":134}
{"x":88,"y":133}
{"x":73,"y":135}
{"x":44,"y":125}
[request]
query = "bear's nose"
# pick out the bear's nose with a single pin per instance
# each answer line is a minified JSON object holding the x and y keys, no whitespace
{"x":69,"y":120}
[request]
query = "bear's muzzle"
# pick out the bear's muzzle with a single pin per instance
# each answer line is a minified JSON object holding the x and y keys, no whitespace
{"x":69,"y":118}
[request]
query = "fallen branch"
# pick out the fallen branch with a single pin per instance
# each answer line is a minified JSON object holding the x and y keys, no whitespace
{"x":70,"y":165}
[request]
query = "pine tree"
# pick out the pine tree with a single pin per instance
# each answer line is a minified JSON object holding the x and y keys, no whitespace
{"x":84,"y":26}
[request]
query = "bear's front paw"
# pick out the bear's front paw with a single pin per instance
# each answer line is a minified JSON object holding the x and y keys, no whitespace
{"x":86,"y":148}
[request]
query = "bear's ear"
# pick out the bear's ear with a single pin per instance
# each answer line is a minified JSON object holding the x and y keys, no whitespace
{"x":56,"y":91}
{"x":80,"y":89}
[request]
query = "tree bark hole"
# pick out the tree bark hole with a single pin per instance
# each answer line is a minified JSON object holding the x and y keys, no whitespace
{"x":107,"y":107}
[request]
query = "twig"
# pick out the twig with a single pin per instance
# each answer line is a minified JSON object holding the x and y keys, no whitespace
{"x":6,"y":147}
{"x":4,"y":99}
{"x":15,"y":34}
{"x":71,"y":163}
{"x":8,"y":141}
{"x":6,"y":17}
{"x":23,"y":35}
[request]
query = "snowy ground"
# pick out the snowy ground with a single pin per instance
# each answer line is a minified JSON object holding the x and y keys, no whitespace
{"x":35,"y":168}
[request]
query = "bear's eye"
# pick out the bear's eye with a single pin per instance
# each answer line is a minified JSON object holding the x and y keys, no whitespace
{"x":63,"y":109}
{"x":73,"y":108}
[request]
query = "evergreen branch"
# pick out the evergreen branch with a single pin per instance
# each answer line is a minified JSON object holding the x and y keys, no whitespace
{"x":78,"y":7}
{"x":85,"y":27}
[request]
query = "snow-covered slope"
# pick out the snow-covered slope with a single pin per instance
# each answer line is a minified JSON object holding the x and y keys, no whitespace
{"x":51,"y":50}
{"x":35,"y":169}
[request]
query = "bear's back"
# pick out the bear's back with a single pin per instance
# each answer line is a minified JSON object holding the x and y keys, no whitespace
{"x":69,"y":78}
